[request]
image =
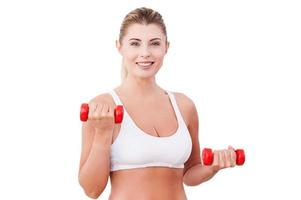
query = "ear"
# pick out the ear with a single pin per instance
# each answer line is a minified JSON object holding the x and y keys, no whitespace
{"x":118,"y":45}
{"x":167,"y":46}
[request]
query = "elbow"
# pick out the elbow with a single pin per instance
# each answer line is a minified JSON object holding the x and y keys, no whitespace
{"x":194,"y":181}
{"x":93,"y":194}
{"x":191,"y":181}
{"x":187,"y":183}
{"x":91,"y":190}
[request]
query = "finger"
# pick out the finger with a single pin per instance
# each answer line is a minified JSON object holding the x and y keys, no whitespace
{"x":92,"y":108}
{"x":97,"y":112}
{"x":228,"y":158}
{"x":215,"y":163}
{"x":215,"y":158}
{"x":105,"y":110}
{"x":233,"y":158}
{"x":233,"y":155}
{"x":111,"y":111}
{"x":222,"y":159}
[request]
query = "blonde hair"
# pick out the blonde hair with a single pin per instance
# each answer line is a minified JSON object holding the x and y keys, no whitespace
{"x":143,"y":16}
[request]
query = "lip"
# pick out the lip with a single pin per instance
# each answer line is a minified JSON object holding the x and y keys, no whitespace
{"x":146,"y":67}
{"x":146,"y":62}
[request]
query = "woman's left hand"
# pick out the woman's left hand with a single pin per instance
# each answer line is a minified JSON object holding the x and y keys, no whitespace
{"x":224,"y":158}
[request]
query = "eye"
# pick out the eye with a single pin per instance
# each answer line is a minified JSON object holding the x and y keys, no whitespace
{"x":134,"y":44}
{"x":156,"y":43}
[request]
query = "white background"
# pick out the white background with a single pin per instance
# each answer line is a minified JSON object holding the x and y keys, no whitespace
{"x":239,"y":61}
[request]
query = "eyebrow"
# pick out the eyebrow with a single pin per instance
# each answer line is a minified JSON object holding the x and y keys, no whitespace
{"x":140,"y":40}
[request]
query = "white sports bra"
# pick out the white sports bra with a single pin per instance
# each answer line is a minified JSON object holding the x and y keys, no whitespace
{"x":133,"y":148}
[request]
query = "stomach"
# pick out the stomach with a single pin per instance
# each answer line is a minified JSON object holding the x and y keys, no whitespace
{"x":150,"y":183}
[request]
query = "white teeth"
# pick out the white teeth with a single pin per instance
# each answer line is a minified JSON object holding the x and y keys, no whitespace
{"x":144,"y":64}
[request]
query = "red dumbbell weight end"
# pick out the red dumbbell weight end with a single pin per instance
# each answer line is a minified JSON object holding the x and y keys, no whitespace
{"x":118,"y":113}
{"x":240,"y":156}
{"x":207,"y":156}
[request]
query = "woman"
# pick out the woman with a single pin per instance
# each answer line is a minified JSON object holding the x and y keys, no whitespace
{"x":155,"y":149}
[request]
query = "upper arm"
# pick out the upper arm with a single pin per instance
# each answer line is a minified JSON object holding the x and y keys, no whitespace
{"x":191,"y":114}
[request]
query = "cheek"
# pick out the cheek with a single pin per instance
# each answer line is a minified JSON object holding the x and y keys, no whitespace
{"x":159,"y":54}
{"x":130,"y":55}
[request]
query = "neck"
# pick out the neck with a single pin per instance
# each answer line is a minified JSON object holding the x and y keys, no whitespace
{"x":141,"y":87}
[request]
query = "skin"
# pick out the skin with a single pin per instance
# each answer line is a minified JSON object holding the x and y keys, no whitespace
{"x":143,"y":43}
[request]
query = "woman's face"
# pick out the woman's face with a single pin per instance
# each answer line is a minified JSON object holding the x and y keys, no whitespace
{"x":143,"y":49}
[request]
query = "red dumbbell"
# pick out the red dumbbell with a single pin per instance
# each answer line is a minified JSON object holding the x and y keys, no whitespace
{"x":207,"y":156}
{"x":118,"y":113}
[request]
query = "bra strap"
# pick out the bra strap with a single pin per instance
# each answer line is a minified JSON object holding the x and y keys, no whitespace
{"x":175,"y":105}
{"x":115,"y":97}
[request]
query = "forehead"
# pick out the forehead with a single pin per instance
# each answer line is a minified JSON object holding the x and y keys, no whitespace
{"x":144,"y":32}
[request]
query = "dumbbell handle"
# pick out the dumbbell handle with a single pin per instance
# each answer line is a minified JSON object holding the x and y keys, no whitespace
{"x":207,"y":156}
{"x":118,"y":113}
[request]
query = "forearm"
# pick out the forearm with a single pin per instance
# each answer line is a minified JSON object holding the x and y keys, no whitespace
{"x":93,"y":175}
{"x":198,"y":174}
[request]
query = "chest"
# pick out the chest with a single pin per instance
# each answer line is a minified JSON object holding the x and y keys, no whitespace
{"x":156,"y":118}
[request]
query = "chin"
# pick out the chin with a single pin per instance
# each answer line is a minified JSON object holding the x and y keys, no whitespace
{"x":144,"y":76}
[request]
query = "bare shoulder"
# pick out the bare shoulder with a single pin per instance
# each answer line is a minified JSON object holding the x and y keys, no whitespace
{"x":186,"y":106}
{"x":183,"y":99}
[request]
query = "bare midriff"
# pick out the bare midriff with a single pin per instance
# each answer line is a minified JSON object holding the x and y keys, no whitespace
{"x":150,"y":183}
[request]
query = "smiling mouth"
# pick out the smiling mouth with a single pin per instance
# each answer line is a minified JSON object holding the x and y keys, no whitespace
{"x":145,"y":64}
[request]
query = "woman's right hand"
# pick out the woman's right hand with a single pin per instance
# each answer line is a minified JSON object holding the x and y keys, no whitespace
{"x":101,"y":117}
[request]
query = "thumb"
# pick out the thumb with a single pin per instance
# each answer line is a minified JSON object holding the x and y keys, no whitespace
{"x":231,"y":148}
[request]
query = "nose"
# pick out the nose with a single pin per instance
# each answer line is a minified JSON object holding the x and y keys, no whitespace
{"x":145,"y":52}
